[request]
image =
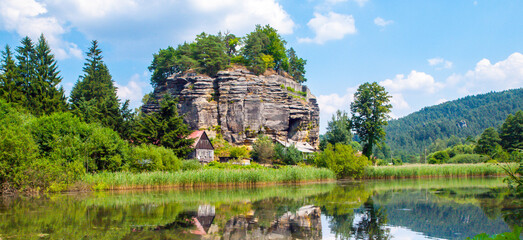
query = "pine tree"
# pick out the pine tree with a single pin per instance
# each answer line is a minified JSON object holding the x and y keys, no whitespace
{"x":164,"y":128}
{"x":10,"y":81}
{"x":26,"y":56}
{"x":93,"y":97}
{"x":45,"y":98}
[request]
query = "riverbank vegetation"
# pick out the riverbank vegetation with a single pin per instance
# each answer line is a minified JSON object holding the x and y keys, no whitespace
{"x":208,"y":176}
{"x":425,"y":170}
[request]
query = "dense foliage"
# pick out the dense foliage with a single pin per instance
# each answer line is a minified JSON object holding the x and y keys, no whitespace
{"x":164,"y":128}
{"x":93,"y":97}
{"x":343,"y":160}
{"x":263,"y":149}
{"x":370,"y":111}
{"x":259,"y":50}
{"x":32,"y":79}
{"x":462,"y":118}
{"x":338,"y":130}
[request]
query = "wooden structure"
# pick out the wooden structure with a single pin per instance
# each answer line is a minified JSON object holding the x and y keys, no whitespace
{"x":202,"y":147}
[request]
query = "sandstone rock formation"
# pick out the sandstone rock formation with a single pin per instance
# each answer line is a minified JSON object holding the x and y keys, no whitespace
{"x":242,"y":105}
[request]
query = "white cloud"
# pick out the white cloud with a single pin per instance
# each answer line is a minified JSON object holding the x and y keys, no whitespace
{"x":332,"y":26}
{"x":440,"y":63}
{"x":31,"y":18}
{"x":382,"y":22}
{"x":329,"y":104}
{"x":505,"y":74}
{"x":398,"y":102}
{"x":414,"y":81}
{"x":134,"y":90}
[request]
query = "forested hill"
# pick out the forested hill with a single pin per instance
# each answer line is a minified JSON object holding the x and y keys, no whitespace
{"x":464,"y":117}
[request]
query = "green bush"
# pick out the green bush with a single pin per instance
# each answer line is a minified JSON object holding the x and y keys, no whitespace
{"x":192,"y":164}
{"x":397,"y":162}
{"x":382,"y":162}
{"x":148,"y":157}
{"x":438,"y":157}
{"x":219,"y":165}
{"x":468,"y":158}
{"x":343,"y":161}
{"x":288,"y":155}
{"x":63,"y":138}
{"x":239,"y":152}
{"x":263,"y":149}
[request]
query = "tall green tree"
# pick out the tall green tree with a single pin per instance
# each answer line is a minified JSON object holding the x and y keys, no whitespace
{"x":338,"y":129}
{"x":10,"y":82}
{"x":26,"y":59}
{"x":210,"y":53}
{"x":46,"y":96}
{"x":370,"y":111}
{"x":296,"y":66}
{"x":512,"y":132}
{"x":93,"y":98}
{"x":488,"y":141}
{"x":164,"y":128}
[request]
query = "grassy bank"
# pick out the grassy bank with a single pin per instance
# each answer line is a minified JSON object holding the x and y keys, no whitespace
{"x":429,"y":170}
{"x":205,"y":177}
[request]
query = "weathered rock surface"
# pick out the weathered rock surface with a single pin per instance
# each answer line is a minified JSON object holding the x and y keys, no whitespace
{"x":243,"y":105}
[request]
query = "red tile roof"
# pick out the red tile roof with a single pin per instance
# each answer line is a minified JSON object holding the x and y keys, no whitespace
{"x":196,"y":135}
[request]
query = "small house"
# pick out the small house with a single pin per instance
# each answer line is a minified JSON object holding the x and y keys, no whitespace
{"x":202,"y":147}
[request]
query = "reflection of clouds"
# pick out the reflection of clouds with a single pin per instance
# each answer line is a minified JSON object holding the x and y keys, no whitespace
{"x":406,"y":234}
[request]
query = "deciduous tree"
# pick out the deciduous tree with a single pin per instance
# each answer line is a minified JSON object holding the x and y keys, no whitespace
{"x":370,"y":111}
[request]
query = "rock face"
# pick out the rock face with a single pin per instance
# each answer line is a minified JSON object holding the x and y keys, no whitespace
{"x":242,"y":105}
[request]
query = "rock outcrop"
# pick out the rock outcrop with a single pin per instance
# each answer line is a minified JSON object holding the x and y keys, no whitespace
{"x":242,"y":105}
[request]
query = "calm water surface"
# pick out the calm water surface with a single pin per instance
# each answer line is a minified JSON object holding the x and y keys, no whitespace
{"x":399,"y":209}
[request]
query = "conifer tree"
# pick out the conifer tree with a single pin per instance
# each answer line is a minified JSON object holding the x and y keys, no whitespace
{"x":164,"y":128}
{"x":93,"y":97}
{"x":10,"y":81}
{"x":26,"y":66}
{"x":45,"y":98}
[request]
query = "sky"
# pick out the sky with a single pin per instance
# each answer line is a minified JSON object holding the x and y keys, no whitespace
{"x":423,"y":52}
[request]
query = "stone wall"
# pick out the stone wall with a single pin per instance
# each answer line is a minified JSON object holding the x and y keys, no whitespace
{"x":243,"y":105}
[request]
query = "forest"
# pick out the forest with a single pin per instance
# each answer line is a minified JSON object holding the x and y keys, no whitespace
{"x":450,"y":123}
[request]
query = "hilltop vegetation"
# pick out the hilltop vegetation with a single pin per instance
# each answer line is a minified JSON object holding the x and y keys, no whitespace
{"x":452,"y":121}
{"x":259,"y":50}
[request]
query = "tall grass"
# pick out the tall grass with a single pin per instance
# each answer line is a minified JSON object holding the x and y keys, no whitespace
{"x":126,"y":180}
{"x":426,"y":170}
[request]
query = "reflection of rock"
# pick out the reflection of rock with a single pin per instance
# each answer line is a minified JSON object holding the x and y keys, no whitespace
{"x":303,"y":224}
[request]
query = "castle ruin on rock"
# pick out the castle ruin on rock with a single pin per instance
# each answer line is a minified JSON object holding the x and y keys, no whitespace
{"x":242,"y":105}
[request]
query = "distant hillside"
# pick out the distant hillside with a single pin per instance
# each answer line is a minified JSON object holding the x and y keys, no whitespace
{"x":464,"y":117}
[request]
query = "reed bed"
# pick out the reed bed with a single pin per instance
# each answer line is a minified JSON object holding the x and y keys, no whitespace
{"x":426,"y":170}
{"x":205,"y":177}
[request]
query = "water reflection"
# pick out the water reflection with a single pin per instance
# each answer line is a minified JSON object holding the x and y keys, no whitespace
{"x":425,"y":209}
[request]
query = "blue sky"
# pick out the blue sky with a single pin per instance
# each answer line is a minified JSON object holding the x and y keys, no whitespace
{"x":423,"y":52}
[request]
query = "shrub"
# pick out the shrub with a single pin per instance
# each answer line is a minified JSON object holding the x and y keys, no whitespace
{"x":288,"y":155}
{"x":439,"y":157}
{"x":343,"y":160}
{"x":382,"y":162}
{"x":148,"y":157}
{"x":239,"y":152}
{"x":397,"y":162}
{"x":468,"y":158}
{"x":192,"y":164}
{"x":263,"y":149}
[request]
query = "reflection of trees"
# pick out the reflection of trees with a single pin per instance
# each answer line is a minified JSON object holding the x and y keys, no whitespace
{"x":372,"y":223}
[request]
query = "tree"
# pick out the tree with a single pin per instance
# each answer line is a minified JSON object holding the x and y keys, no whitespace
{"x":210,"y":53}
{"x":369,"y":114}
{"x":46,"y":97}
{"x":26,"y":66}
{"x":94,"y":98}
{"x":10,"y":81}
{"x":296,"y":66}
{"x":512,"y":132}
{"x":263,"y":149}
{"x":488,"y":141}
{"x":164,"y":128}
{"x":338,"y":129}
{"x":343,"y":160}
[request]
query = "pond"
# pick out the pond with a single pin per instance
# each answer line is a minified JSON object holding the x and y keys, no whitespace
{"x":385,"y":209}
